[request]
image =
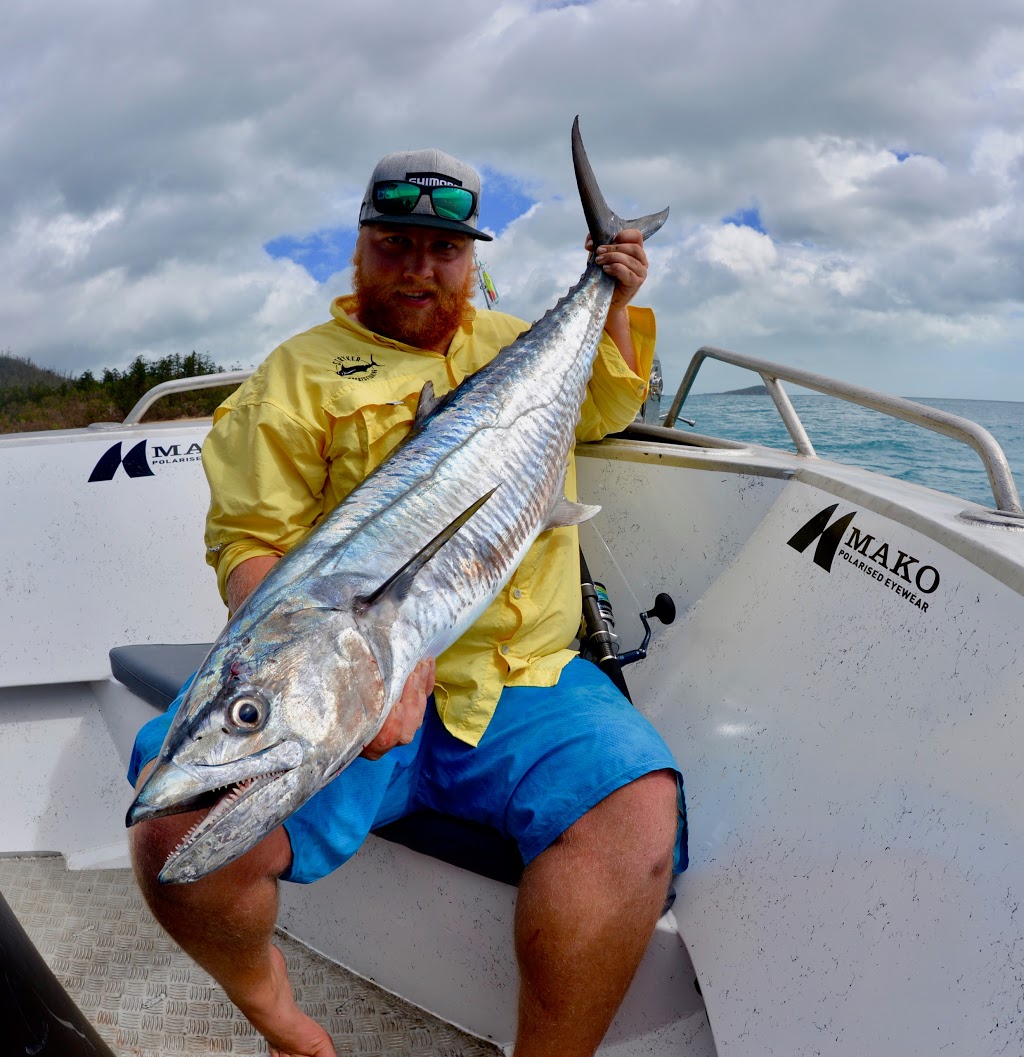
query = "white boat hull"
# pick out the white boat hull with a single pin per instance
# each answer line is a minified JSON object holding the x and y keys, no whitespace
{"x":851,"y":737}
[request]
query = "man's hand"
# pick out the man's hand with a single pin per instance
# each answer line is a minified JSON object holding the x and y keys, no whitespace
{"x":626,"y":262}
{"x":406,"y":716}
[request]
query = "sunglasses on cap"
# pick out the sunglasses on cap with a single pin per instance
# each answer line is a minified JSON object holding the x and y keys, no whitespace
{"x":395,"y":198}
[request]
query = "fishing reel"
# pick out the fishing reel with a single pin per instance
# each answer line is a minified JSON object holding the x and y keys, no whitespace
{"x":598,"y":641}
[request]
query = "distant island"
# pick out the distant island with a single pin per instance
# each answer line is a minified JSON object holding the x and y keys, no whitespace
{"x":751,"y":390}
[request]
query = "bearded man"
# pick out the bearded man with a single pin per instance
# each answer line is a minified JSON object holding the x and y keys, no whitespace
{"x":527,"y":737}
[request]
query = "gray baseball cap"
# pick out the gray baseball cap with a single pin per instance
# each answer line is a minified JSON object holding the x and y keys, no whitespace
{"x":390,"y":200}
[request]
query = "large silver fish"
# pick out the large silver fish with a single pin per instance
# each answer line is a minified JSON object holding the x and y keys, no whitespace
{"x":307,"y":671}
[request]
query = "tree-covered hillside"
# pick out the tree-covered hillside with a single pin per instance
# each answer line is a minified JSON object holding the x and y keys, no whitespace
{"x":35,"y":398}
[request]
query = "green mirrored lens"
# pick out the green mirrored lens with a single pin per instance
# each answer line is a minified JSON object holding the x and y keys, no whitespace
{"x":452,"y":203}
{"x":396,"y":197}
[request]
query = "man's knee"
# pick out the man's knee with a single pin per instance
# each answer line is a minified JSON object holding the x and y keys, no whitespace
{"x":637,"y":824}
{"x":650,"y":806}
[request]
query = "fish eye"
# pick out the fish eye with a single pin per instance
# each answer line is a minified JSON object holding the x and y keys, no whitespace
{"x":246,"y":713}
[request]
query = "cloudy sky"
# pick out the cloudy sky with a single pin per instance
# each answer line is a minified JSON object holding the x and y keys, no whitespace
{"x":846,"y":177}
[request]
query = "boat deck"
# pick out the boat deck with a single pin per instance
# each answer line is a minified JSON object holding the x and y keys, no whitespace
{"x":147,"y":999}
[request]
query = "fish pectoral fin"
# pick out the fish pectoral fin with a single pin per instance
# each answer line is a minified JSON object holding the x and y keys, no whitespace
{"x":398,"y":584}
{"x":567,"y":512}
{"x":429,"y":405}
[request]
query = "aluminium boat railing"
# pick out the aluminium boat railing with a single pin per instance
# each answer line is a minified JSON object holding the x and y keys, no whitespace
{"x":1000,"y":477}
{"x":182,"y":385}
{"x":1004,"y":490}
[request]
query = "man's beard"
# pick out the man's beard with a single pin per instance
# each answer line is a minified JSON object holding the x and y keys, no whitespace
{"x":380,"y":307}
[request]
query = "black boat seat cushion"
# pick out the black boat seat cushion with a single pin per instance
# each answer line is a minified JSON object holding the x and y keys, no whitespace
{"x":157,"y":672}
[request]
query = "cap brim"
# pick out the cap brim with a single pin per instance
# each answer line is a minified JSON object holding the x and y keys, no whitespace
{"x":423,"y":220}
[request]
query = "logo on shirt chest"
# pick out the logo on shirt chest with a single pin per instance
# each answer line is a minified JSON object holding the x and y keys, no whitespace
{"x":355,"y":367}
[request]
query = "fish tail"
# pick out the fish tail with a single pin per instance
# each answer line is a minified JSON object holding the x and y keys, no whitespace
{"x":602,"y":222}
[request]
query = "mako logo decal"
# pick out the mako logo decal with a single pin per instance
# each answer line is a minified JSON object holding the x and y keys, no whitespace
{"x":828,"y":536}
{"x":135,"y":463}
{"x":138,"y":463}
{"x":909,"y":578}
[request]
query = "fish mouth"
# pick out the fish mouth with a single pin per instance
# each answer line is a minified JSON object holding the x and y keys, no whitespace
{"x":174,"y":787}
{"x":237,"y":822}
{"x":247,"y":798}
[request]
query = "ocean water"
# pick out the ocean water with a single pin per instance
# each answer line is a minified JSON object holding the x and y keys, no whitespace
{"x":848,"y":433}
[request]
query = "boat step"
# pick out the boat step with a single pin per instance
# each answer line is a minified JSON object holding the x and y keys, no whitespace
{"x":147,"y":999}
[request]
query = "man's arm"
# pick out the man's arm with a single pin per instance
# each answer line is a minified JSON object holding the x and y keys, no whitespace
{"x":407,"y":715}
{"x":245,"y":578}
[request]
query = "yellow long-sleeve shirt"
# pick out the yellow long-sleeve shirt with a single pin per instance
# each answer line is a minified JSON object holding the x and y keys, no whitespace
{"x":328,"y":406}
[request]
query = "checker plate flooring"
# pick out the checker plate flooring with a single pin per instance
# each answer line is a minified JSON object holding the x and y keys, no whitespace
{"x":147,"y":999}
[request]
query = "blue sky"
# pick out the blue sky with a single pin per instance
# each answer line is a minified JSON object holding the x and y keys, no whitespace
{"x":321,"y":253}
{"x":746,"y":217}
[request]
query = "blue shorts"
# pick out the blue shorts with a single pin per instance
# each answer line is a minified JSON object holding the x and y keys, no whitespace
{"x":547,"y":757}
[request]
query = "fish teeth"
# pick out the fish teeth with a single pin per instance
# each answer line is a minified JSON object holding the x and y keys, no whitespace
{"x":220,"y":808}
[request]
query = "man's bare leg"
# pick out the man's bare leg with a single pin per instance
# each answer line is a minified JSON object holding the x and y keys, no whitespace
{"x":586,"y":909}
{"x":225,"y":922}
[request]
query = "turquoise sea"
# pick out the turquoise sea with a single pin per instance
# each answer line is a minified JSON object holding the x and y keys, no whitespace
{"x":852,"y":434}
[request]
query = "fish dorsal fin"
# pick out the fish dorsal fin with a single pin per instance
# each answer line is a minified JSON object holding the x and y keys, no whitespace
{"x":429,"y":405}
{"x":567,"y":512}
{"x":398,"y":584}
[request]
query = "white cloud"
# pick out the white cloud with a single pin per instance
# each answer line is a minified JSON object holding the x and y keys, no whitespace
{"x":741,"y":250}
{"x":60,"y":240}
{"x":999,"y":153}
{"x":152,"y":150}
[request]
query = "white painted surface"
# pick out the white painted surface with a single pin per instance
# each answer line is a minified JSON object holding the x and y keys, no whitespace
{"x":63,"y":786}
{"x":855,"y":768}
{"x":854,"y":763}
{"x":666,"y":527}
{"x":90,"y":565}
{"x":123,"y":714}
